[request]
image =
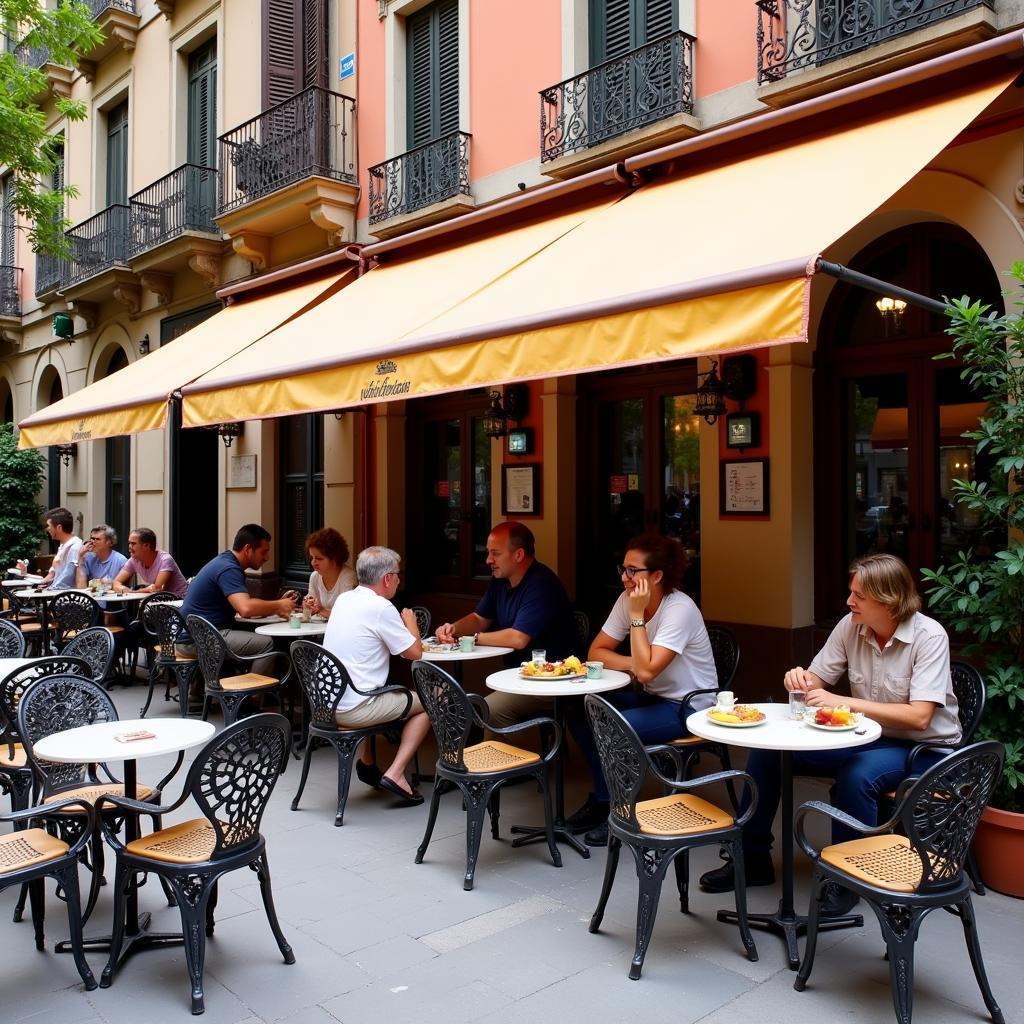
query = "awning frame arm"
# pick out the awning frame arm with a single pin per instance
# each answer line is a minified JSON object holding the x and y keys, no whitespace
{"x":875,"y":284}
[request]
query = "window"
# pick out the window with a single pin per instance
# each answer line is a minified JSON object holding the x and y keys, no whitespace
{"x":301,"y":443}
{"x":618,"y":26}
{"x":117,"y":155}
{"x":119,"y":449}
{"x":432,"y":73}
{"x":202,"y":105}
{"x":7,"y":221}
{"x":296,"y":48}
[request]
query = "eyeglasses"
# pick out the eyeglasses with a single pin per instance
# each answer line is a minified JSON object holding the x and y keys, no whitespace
{"x":629,"y":570}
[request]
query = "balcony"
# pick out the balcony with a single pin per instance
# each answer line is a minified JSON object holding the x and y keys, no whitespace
{"x":58,"y":77}
{"x":620,"y":107}
{"x":98,"y":265}
{"x":425,"y":185}
{"x":10,"y":292}
{"x":293,"y":163}
{"x":51,"y":273}
{"x":119,"y":22}
{"x":808,"y":47}
{"x":171,"y":226}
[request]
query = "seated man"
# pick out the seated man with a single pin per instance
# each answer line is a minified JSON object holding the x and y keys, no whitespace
{"x":897,"y":661}
{"x":364,"y":630}
{"x":98,"y":560}
{"x":154,"y":569}
{"x":524,"y":607}
{"x":59,"y":524}
{"x":219,"y":593}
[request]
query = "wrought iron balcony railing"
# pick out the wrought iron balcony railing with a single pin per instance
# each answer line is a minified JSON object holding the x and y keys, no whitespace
{"x":310,"y":134}
{"x":10,"y":291}
{"x":98,"y":244}
{"x":51,"y":273}
{"x":184,"y":200}
{"x":643,"y":86}
{"x":793,"y":35}
{"x":426,"y":175}
{"x":97,"y":7}
{"x":34,"y":56}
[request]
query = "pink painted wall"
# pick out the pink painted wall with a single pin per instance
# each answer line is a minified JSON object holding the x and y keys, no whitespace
{"x":370,"y":97}
{"x":726,"y":52}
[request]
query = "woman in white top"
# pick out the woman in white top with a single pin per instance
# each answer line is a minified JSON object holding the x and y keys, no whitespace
{"x":669,"y":656}
{"x":330,"y":577}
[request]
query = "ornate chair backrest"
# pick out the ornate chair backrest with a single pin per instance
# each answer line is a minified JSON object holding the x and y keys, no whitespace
{"x":323,"y":679}
{"x":423,"y":620}
{"x":151,"y":602}
{"x":168,"y":624}
{"x":941,"y":810}
{"x":52,"y":705}
{"x":12,"y":640}
{"x":448,"y":709}
{"x":15,"y":683}
{"x":582,"y":623}
{"x":623,"y":758}
{"x":233,"y":776}
{"x":726,"y":651}
{"x":969,"y":687}
{"x":74,"y":612}
{"x":211,"y":650}
{"x":95,"y":646}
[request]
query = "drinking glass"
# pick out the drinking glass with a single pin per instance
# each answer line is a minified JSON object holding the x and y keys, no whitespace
{"x":539,"y":657}
{"x":797,"y":704}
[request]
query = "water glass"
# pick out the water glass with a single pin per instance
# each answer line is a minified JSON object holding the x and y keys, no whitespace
{"x":797,"y":704}
{"x":539,"y":657}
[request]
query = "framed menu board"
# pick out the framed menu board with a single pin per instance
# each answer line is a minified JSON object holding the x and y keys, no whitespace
{"x":743,"y":488}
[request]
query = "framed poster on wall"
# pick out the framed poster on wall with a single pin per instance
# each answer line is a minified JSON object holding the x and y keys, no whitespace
{"x":520,"y":490}
{"x":743,"y":488}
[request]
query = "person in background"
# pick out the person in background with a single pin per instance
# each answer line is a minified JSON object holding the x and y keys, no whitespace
{"x":669,"y":656}
{"x":328,"y":555}
{"x":154,"y":569}
{"x":59,"y":525}
{"x":98,"y":558}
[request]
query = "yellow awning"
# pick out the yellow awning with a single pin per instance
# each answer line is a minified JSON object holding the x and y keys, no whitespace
{"x":715,"y":261}
{"x":135,"y":399}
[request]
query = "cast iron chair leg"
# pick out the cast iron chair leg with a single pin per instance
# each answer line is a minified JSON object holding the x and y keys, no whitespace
{"x":682,"y":865}
{"x":740,"y":875}
{"x":122,"y":878}
{"x":549,"y":818}
{"x":899,"y":947}
{"x":476,"y":810}
{"x":262,"y":869}
{"x":68,"y":879}
{"x":153,"y":671}
{"x":346,"y":751}
{"x":435,"y":802}
{"x":193,"y":921}
{"x":19,"y":907}
{"x":612,"y":862}
{"x":37,"y":904}
{"x":494,"y":807}
{"x":311,"y":745}
{"x":811,"y":942}
{"x":183,"y":677}
{"x":966,"y":910}
{"x":651,"y":865}
{"x":96,"y":855}
{"x":211,"y":908}
{"x":974,"y":872}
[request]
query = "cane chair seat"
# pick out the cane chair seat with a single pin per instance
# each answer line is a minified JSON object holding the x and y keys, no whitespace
{"x":17,"y":760}
{"x":687,"y":741}
{"x":31,"y":846}
{"x":94,"y":792}
{"x":886,"y":862}
{"x":177,"y":657}
{"x":190,"y":842}
{"x":247,"y":681}
{"x":492,"y":756}
{"x":33,"y":627}
{"x":680,"y":814}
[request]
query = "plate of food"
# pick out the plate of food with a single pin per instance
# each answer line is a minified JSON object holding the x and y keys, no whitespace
{"x":840,"y":719}
{"x":740,"y":716}
{"x":431,"y":643}
{"x":570,"y":668}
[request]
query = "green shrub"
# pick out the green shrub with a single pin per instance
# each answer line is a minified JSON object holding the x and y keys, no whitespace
{"x":21,"y":477}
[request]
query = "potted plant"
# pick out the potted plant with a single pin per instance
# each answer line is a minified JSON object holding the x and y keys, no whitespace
{"x":980,"y":595}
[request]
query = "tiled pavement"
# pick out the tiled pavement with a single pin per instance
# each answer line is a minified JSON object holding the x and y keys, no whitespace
{"x":378,"y":938}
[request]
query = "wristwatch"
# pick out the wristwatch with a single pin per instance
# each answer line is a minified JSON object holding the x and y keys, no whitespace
{"x":636,"y":622}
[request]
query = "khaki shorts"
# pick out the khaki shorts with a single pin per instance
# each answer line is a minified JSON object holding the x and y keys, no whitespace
{"x":375,"y":710}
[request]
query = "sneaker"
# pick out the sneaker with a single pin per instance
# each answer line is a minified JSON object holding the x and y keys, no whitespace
{"x":368,"y":774}
{"x":838,"y":900}
{"x":594,"y":812}
{"x":758,"y":871}
{"x":597,"y":836}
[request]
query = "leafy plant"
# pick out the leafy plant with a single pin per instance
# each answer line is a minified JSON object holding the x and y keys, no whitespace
{"x":21,"y":477}
{"x":984,"y":599}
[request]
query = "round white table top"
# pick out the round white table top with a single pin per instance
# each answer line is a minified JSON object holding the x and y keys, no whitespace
{"x":478,"y":652}
{"x":99,"y":743}
{"x":510,"y":681}
{"x":283,"y":628}
{"x":9,"y":665}
{"x":260,"y":620}
{"x":23,"y":581}
{"x":114,"y":598}
{"x":46,"y":595}
{"x":780,"y":732}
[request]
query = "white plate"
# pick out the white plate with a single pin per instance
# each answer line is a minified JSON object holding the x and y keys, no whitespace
{"x":553,"y":678}
{"x":737,"y":725}
{"x":832,"y":728}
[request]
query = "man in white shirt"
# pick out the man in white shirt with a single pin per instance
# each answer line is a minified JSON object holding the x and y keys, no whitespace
{"x":59,"y":524}
{"x":364,"y":630}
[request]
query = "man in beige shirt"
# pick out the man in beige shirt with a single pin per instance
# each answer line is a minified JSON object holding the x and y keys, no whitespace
{"x":897,"y":661}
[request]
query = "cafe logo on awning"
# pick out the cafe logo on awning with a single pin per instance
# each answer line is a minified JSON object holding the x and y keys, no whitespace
{"x":386,"y":388}
{"x":81,"y":434}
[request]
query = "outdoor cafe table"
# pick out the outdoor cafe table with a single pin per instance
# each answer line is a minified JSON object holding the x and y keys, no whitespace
{"x":787,"y":735}
{"x":454,"y":659}
{"x":283,"y":628}
{"x":510,"y":681}
{"x":9,"y":665}
{"x":90,"y":744}
{"x":43,"y":599}
{"x":23,"y":581}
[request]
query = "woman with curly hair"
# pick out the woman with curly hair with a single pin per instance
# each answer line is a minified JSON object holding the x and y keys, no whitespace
{"x":328,"y":553}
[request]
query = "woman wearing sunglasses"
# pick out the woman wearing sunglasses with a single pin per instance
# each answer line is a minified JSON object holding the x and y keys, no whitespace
{"x":669,"y":656}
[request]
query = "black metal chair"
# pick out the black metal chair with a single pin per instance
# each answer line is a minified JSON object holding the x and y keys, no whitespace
{"x":30,"y":854}
{"x":72,"y":613}
{"x":168,"y":624}
{"x":324,"y":679}
{"x":661,"y":830}
{"x":12,"y":640}
{"x":423,"y":620}
{"x":582,"y":624}
{"x":230,"y":781}
{"x":96,"y":646}
{"x":480,"y":770}
{"x":25,"y":617}
{"x":231,"y":692}
{"x":141,"y":634}
{"x":904,"y":877}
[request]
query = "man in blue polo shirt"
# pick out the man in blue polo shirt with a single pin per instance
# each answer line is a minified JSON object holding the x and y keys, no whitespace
{"x":524,"y":607}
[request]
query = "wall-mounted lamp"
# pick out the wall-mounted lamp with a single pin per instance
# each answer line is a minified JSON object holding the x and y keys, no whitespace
{"x":891,"y":311}
{"x":495,"y":422}
{"x":738,"y":382}
{"x":144,"y":345}
{"x":229,"y":431}
{"x":509,"y":404}
{"x":710,"y":396}
{"x":338,"y":414}
{"x":66,"y":452}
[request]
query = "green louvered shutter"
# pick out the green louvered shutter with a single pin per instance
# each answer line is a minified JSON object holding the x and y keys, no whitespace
{"x":432,"y":72}
{"x":117,"y":155}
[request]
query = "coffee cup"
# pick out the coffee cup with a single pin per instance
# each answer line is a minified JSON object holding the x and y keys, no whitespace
{"x":295,"y":620}
{"x":466,"y":644}
{"x":726,"y":699}
{"x":595,"y":669}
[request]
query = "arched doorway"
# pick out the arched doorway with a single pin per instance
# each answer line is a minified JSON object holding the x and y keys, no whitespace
{"x":890,"y":415}
{"x":51,"y":390}
{"x":117,"y":499}
{"x":6,"y":402}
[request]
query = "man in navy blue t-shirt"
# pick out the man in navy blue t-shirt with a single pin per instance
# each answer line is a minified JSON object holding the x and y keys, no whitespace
{"x":524,"y":607}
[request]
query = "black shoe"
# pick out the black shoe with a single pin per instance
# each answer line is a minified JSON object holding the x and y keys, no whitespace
{"x":597,"y":836}
{"x":369,"y":774}
{"x":594,"y":812}
{"x":838,"y":900}
{"x":757,"y":871}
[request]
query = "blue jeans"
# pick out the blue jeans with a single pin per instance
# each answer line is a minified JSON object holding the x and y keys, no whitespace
{"x":862,"y":775}
{"x":654,"y":719}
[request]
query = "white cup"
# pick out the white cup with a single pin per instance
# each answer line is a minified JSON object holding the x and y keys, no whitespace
{"x":726,"y":699}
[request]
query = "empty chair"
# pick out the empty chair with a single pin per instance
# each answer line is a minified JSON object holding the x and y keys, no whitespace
{"x":661,"y":830}
{"x":25,"y":617}
{"x":73,"y":612}
{"x":479,"y":770}
{"x":94,"y":646}
{"x":423,"y":620}
{"x":910,"y":866}
{"x":12,"y":640}
{"x":168,"y":624}
{"x":230,"y":783}
{"x":141,"y":633}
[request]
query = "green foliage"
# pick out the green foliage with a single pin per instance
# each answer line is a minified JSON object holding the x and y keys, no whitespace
{"x":26,"y":147}
{"x":21,"y":477}
{"x":984,"y":600}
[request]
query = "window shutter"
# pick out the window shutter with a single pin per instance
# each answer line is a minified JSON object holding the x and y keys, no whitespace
{"x":419,"y":108}
{"x":7,"y":223}
{"x":117,"y":155}
{"x":448,"y":67}
{"x":611,"y":29}
{"x":202,"y":106}
{"x":314,"y":44}
{"x":282,"y":50}
{"x":432,"y":49}
{"x":659,"y":20}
